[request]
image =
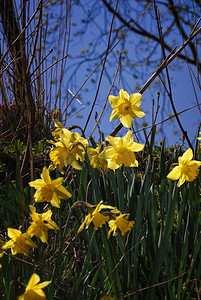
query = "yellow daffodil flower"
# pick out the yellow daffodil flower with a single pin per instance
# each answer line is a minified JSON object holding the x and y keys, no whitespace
{"x":94,"y":215}
{"x":95,"y":160}
{"x":106,"y":298}
{"x":56,"y":132}
{"x":121,"y":151}
{"x":34,"y":290}
{"x":187,"y":169}
{"x":120,"y":222}
{"x":49,"y":190}
{"x":126,"y":107}
{"x":19,"y":242}
{"x":41,"y":223}
{"x":69,"y":148}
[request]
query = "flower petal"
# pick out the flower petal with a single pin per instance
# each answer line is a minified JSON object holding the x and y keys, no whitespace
{"x":126,"y":121}
{"x":137,"y":112}
{"x":114,"y":115}
{"x":188,"y":155}
{"x":136,"y":99}
{"x":37,"y":184}
{"x":175,"y":173}
{"x":33,"y":281}
{"x":13,"y":233}
{"x":113,"y":100}
{"x":46,"y":176}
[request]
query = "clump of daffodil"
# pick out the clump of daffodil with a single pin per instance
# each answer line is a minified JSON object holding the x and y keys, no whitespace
{"x":126,"y":107}
{"x":68,"y":149}
{"x":19,"y":242}
{"x":95,"y":160}
{"x":119,"y":222}
{"x":34,"y":290}
{"x":94,"y":214}
{"x":121,"y":151}
{"x":186,"y":170}
{"x":41,"y":223}
{"x":49,"y":190}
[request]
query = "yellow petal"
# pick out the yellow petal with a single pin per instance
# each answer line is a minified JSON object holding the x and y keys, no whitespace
{"x":42,"y":285}
{"x":33,"y":281}
{"x":137,"y":112}
{"x":113,"y":100}
{"x":136,"y":99}
{"x":37,"y":184}
{"x":55,"y":201}
{"x":114,"y":115}
{"x":188,"y":155}
{"x":46,"y":176}
{"x":175,"y":174}
{"x":123,"y":94}
{"x":126,"y":121}
{"x":13,"y":233}
{"x":181,"y":180}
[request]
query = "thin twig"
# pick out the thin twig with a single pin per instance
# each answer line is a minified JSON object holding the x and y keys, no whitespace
{"x":165,"y":63}
{"x":103,"y":67}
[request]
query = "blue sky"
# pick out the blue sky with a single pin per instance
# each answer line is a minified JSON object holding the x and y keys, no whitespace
{"x":130,"y":80}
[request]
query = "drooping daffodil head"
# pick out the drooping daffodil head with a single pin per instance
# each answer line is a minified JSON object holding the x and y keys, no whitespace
{"x":119,"y":222}
{"x":94,"y":215}
{"x":96,"y":161}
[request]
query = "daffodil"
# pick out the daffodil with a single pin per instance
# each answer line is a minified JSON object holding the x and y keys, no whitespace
{"x":34,"y":290}
{"x":56,"y":133}
{"x":126,"y":107}
{"x":94,"y":215}
{"x":105,"y":297}
{"x":69,"y":148}
{"x":121,"y":151}
{"x":186,"y":170}
{"x":49,"y":190}
{"x":41,"y":223}
{"x":95,"y":160}
{"x":19,"y":242}
{"x":119,"y":222}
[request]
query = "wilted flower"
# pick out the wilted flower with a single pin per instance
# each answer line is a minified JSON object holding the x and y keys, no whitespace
{"x":95,"y":160}
{"x":187,"y":169}
{"x":94,"y":214}
{"x":41,"y":223}
{"x":19,"y":242}
{"x":34,"y":289}
{"x":49,"y":190}
{"x":120,"y":222}
{"x":126,"y":107}
{"x":121,"y":151}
